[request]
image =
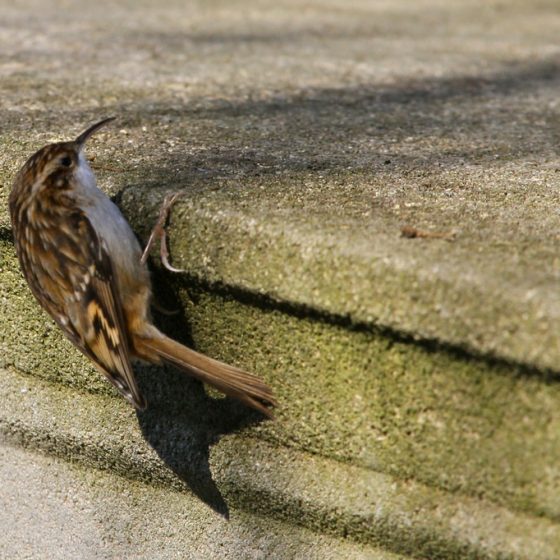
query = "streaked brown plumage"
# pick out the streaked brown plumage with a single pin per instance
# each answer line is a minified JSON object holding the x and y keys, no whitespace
{"x":84,"y":265}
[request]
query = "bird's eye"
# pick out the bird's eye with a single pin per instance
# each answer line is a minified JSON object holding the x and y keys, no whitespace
{"x":66,"y":161}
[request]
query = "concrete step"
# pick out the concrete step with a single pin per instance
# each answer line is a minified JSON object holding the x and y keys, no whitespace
{"x":361,"y":395}
{"x":54,"y":509}
{"x":180,"y":465}
{"x":417,"y":375}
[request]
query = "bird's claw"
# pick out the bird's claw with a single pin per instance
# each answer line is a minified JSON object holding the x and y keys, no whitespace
{"x":159,"y":231}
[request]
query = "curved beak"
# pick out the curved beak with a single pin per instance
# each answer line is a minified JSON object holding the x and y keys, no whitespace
{"x":81,"y":140}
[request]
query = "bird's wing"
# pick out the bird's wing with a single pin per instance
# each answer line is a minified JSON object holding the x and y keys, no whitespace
{"x":91,"y":313}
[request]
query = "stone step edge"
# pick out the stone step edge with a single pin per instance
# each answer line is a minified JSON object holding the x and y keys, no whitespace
{"x":292,"y":486}
{"x":390,"y":291}
{"x":78,"y":512}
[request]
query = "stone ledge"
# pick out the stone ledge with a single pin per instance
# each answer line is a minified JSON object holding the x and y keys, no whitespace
{"x":285,"y":242}
{"x":356,"y":395}
{"x":281,"y":484}
{"x":56,"y":510}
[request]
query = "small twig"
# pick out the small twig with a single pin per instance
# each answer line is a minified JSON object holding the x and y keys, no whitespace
{"x":411,"y":232}
{"x":98,"y":167}
{"x":92,"y":158}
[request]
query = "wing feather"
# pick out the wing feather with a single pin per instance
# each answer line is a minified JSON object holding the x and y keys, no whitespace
{"x":84,"y":301}
{"x":108,"y":340}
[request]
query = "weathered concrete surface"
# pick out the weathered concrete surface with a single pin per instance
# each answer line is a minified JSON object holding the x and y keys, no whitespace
{"x":451,"y":421}
{"x":304,"y":135}
{"x":50,"y":509}
{"x":235,"y":473}
{"x":442,"y":117}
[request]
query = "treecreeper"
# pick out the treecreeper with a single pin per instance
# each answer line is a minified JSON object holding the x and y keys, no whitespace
{"x":85,"y":266}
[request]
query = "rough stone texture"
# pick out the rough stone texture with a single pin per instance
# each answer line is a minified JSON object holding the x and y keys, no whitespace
{"x":231,"y":472}
{"x":304,"y":135}
{"x":293,"y":113}
{"x":52,"y":510}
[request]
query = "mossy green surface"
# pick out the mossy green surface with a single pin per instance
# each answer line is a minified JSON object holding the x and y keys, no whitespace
{"x":449,"y":420}
{"x":397,"y":406}
{"x":235,"y":474}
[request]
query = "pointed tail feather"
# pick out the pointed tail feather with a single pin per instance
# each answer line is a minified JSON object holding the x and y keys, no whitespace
{"x":230,"y":380}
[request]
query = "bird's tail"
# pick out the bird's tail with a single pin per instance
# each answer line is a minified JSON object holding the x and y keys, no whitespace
{"x":230,"y":380}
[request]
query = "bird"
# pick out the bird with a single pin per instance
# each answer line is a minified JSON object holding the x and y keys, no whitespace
{"x":84,"y":265}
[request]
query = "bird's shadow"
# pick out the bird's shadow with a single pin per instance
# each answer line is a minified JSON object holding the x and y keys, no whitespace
{"x":182,"y":422}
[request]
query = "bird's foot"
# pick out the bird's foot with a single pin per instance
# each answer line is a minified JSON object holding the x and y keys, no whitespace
{"x":158,"y":232}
